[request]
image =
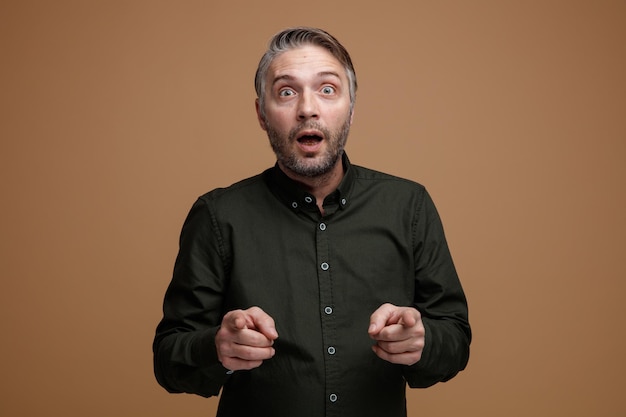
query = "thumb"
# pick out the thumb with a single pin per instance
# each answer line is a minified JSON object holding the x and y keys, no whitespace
{"x":380,"y":318}
{"x":407,"y":318}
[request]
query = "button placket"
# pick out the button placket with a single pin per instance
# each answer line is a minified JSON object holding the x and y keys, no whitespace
{"x":327,"y":310}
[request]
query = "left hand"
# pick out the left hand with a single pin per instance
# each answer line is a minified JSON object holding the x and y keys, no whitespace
{"x":399,"y":334}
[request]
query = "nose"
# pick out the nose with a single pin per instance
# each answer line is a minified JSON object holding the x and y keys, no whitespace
{"x":307,"y":106}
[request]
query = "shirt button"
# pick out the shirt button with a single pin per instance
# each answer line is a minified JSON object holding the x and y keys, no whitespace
{"x":343,"y":201}
{"x":328,"y":310}
{"x":308,"y":199}
{"x":331,"y":350}
{"x":322,"y":226}
{"x":294,"y":205}
{"x":333,"y":398}
{"x":324,"y":266}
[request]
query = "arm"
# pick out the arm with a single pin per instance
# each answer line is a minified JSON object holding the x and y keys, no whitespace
{"x":441,"y":302}
{"x":432,"y":337}
{"x":185,"y":354}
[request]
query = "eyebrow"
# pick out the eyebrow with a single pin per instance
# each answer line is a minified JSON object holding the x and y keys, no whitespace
{"x":319,"y":74}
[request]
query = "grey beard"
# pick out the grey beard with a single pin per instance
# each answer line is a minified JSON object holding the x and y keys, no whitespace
{"x":336,"y":144}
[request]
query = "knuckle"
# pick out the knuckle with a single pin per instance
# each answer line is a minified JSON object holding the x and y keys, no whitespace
{"x":254,"y":310}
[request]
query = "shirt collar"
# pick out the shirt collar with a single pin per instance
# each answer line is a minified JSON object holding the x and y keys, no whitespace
{"x":291,"y":194}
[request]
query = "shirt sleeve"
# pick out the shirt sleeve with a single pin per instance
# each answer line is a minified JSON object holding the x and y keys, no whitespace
{"x":185,"y":356}
{"x":441,"y":301}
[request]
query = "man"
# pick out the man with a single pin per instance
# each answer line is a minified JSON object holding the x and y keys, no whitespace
{"x":317,"y":288}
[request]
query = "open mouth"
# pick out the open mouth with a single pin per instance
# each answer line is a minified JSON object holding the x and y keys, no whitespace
{"x":309,"y":139}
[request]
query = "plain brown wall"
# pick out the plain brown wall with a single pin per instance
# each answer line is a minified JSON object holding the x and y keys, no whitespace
{"x":116,"y":115}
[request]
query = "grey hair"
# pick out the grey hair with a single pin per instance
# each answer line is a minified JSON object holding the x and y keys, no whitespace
{"x":293,"y":38}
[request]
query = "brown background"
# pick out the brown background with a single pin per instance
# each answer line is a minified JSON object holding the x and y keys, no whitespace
{"x":116,"y":115}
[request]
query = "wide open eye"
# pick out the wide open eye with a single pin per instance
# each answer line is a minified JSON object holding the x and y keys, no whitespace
{"x":327,"y":89}
{"x":286,"y":92}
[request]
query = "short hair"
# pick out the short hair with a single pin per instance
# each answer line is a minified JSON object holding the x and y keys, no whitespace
{"x":293,"y":38}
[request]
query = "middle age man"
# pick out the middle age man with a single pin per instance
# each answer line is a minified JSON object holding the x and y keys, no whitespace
{"x":317,"y":288}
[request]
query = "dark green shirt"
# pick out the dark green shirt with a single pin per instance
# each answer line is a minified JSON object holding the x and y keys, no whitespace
{"x":263,"y":242}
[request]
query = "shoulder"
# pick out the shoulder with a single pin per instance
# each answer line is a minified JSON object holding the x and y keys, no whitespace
{"x":239,"y":191}
{"x":370,"y":177}
{"x":396,"y":194}
{"x":224,"y":204}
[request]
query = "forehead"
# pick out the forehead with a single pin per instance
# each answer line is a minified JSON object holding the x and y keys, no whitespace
{"x":305,"y":60}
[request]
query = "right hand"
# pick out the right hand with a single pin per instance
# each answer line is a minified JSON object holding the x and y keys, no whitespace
{"x":245,"y":339}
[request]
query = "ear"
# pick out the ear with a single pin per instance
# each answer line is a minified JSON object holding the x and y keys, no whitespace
{"x":351,"y":115}
{"x":259,"y":115}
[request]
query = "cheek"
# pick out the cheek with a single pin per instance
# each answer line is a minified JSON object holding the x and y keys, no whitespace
{"x":279,"y":119}
{"x":341,"y":111}
{"x":341,"y":118}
